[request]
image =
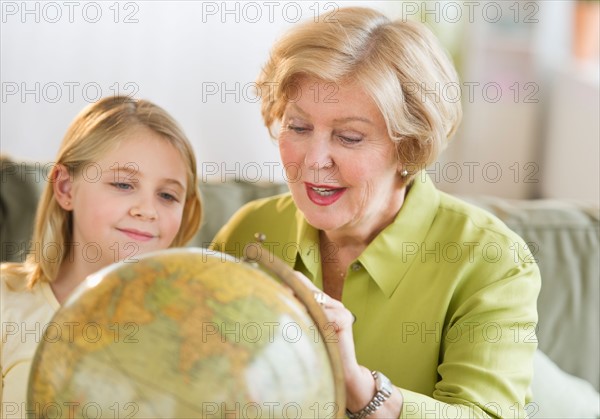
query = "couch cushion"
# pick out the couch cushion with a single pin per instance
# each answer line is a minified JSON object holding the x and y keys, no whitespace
{"x":21,"y":185}
{"x":564,"y":239}
{"x":221,"y":200}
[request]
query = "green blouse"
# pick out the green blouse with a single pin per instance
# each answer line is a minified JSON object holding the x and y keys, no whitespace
{"x":445,"y":298}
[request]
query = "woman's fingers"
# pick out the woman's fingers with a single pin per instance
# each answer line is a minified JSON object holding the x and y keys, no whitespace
{"x":327,"y":302}
{"x":338,"y":327}
{"x":340,"y":316}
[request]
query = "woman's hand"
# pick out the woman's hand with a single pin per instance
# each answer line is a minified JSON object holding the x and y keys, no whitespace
{"x":360,"y":385}
{"x":339,"y":319}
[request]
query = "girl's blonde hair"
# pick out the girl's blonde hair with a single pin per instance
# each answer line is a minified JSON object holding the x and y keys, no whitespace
{"x":400,"y":64}
{"x":98,"y":128}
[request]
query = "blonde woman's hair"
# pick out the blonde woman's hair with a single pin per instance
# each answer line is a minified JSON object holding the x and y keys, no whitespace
{"x":97,"y":129}
{"x":400,"y":64}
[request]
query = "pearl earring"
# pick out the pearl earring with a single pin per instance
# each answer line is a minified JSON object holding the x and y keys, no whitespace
{"x":404,"y":173}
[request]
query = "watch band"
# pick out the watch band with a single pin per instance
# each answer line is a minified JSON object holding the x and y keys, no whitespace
{"x":384,"y":390}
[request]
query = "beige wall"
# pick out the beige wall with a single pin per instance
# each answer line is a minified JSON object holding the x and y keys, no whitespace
{"x":199,"y":60}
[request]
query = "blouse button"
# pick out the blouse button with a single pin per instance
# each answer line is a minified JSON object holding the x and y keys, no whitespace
{"x":355,"y":266}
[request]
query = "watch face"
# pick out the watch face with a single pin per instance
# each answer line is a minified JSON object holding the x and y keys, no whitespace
{"x":384,"y":385}
{"x":384,"y":389}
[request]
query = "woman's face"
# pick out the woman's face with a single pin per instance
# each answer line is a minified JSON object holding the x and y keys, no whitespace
{"x":340,"y":162}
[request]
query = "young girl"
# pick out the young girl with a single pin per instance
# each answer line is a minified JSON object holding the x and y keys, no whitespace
{"x":124,"y":183}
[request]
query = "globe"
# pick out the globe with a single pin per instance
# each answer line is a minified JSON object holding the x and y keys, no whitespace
{"x":185,"y":333}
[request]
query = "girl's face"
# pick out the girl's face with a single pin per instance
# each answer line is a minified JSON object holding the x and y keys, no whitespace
{"x":128,"y":202}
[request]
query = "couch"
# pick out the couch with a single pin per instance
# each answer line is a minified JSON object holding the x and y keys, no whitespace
{"x":564,"y":238}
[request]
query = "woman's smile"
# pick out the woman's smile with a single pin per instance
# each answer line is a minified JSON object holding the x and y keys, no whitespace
{"x":323,"y":195}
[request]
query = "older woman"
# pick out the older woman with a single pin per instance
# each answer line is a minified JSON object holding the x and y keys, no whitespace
{"x":446,"y":308}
